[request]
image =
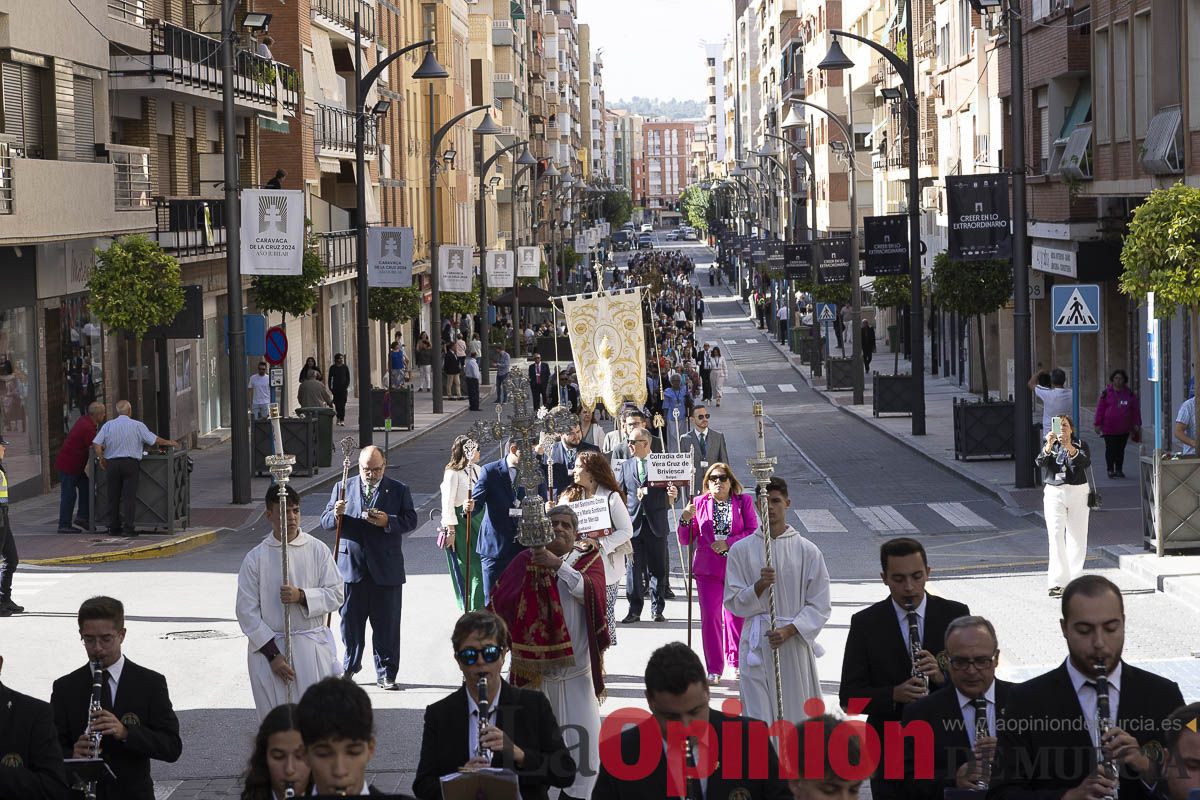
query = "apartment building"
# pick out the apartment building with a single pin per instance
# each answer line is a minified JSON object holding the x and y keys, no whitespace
{"x":732,"y":104}
{"x":668,"y":162}
{"x":598,"y":149}
{"x":749,"y":18}
{"x":714,"y":109}
{"x":627,"y":147}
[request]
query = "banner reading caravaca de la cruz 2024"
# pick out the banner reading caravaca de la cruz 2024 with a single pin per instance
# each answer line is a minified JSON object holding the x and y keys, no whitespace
{"x":272,"y":232}
{"x":389,"y":257}
{"x":980,"y":217}
{"x":456,"y":270}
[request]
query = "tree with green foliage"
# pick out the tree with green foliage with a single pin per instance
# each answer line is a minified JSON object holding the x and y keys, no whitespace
{"x":892,"y":291}
{"x":618,"y":207}
{"x":393,"y":305}
{"x":972,"y":289}
{"x":697,"y":205}
{"x":1161,"y":254}
{"x":291,"y":294}
{"x":461,"y":302}
{"x":134,"y":287}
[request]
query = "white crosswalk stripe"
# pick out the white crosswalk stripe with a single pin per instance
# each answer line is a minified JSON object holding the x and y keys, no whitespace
{"x":819,"y":520}
{"x":958,"y":515}
{"x":729,"y":341}
{"x":787,"y":388}
{"x":753,"y":341}
{"x":756,"y":389}
{"x":884,"y":518}
{"x":729,"y":390}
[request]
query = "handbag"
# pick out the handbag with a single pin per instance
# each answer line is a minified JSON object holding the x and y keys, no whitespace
{"x":1094,"y":500}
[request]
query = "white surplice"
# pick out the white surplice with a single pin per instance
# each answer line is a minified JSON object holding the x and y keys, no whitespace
{"x":570,"y":689}
{"x":260,"y":614}
{"x":801,"y":599}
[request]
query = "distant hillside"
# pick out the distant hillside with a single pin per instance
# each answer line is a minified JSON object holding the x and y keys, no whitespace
{"x":653,"y":107}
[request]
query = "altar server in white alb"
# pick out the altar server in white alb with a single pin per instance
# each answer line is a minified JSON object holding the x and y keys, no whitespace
{"x":314,"y":589}
{"x":801,"y":583}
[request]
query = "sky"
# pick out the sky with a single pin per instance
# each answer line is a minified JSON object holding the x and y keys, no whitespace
{"x":652,"y":48}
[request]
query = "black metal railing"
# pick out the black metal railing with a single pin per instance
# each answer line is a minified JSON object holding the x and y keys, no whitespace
{"x":338,"y":250}
{"x":342,"y":13}
{"x":189,"y":226}
{"x":335,"y":129}
{"x":6,"y":175}
{"x":192,"y":59}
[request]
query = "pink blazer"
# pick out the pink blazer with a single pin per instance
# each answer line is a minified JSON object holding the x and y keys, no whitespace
{"x":700,"y":530}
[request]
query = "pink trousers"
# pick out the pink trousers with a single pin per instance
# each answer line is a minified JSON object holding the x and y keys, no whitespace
{"x":720,"y":630}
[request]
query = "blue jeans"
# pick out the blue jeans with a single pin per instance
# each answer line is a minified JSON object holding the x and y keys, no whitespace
{"x":73,"y":486}
{"x":261,"y":410}
{"x":501,"y":389}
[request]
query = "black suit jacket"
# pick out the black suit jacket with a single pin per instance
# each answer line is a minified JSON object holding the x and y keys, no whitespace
{"x":720,"y":787}
{"x":563,"y":466}
{"x":143,"y":706}
{"x":649,"y":514}
{"x":951,"y":744}
{"x":31,"y":763}
{"x":1045,"y":747}
{"x":534,"y":370}
{"x":877,"y":657}
{"x":524,"y":714}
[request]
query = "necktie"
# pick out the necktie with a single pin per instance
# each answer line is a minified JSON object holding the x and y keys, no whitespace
{"x":642,"y":470}
{"x":694,"y":790}
{"x":704,"y":444}
{"x":106,"y":698}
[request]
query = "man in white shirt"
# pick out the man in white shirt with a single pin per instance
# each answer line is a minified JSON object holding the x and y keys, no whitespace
{"x":1056,"y":400}
{"x":260,"y":392}
{"x":472,"y":375}
{"x":1185,"y":427}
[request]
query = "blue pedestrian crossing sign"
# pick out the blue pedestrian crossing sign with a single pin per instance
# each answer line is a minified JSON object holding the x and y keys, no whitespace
{"x":826,"y":312}
{"x":1075,"y":308}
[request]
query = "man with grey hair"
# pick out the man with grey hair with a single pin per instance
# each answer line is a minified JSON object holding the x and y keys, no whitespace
{"x":962,"y":714}
{"x":648,"y":509}
{"x":573,"y":684}
{"x":71,"y":463}
{"x":119,"y":447}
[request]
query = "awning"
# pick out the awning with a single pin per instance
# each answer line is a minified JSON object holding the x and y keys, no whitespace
{"x":273,"y":125}
{"x":327,"y":77}
{"x":1080,"y":110}
{"x":527,"y":296}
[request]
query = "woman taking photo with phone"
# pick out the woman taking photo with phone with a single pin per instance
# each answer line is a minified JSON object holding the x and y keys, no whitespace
{"x":712,"y":522}
{"x":1064,"y":462}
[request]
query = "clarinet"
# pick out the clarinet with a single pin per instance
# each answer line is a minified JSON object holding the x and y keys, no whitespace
{"x":1104,"y":763}
{"x":94,"y":708}
{"x":484,"y":706}
{"x":981,"y":731}
{"x":914,"y":645}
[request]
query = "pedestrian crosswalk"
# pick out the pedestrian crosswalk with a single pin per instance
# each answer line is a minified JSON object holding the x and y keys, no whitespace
{"x":761,"y":388}
{"x":893,"y":520}
{"x":34,"y":579}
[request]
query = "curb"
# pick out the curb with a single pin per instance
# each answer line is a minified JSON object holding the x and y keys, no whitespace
{"x":160,"y":550}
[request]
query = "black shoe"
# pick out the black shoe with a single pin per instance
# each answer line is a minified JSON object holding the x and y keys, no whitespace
{"x":5,"y":611}
{"x":1112,"y":473}
{"x":128,"y":534}
{"x":69,"y":529}
{"x":1056,"y":591}
{"x":10,"y":606}
{"x":669,"y":595}
{"x":631,"y":618}
{"x":1120,"y":473}
{"x":387,"y":685}
{"x":659,"y":618}
{"x":81,"y":523}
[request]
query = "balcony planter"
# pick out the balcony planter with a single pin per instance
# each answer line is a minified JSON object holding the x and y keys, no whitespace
{"x":1175,"y":500}
{"x":983,"y":429}
{"x":164,"y":494}
{"x":299,"y":440}
{"x":891,"y":394}
{"x":841,"y":374}
{"x":401,"y":404}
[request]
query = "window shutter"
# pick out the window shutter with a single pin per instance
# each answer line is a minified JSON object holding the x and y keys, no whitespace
{"x":22,"y":96}
{"x":85,"y":119}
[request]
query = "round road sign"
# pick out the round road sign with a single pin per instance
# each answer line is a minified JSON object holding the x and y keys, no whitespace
{"x":277,"y":345}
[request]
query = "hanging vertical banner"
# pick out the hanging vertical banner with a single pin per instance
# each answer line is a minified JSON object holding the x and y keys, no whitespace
{"x":389,"y":257}
{"x":501,"y":269}
{"x":455,"y":268}
{"x":272,"y":232}
{"x":758,"y":251}
{"x":980,"y":217}
{"x":530,"y":263}
{"x":797,"y":266}
{"x":887,"y":245}
{"x":776,"y":256}
{"x":608,"y":343}
{"x":833,"y":260}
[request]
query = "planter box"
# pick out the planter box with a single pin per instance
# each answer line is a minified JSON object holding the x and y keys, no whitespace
{"x":841,"y":374}
{"x":402,"y":409}
{"x":1178,"y":508}
{"x":164,"y":494}
{"x":299,"y":440}
{"x":324,"y":417}
{"x":891,"y":394}
{"x":983,"y":430}
{"x":811,"y":350}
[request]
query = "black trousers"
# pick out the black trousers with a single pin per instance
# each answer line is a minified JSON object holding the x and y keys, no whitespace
{"x":649,"y":561}
{"x":122,"y":475}
{"x":339,"y":405}
{"x":8,"y":555}
{"x":1114,"y":451}
{"x":472,"y":393}
{"x":867,"y":361}
{"x":539,"y":395}
{"x":706,"y":384}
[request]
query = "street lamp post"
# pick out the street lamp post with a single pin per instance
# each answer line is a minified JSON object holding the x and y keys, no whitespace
{"x":486,"y":128}
{"x":837,"y":59}
{"x":429,"y":69}
{"x":516,"y":300}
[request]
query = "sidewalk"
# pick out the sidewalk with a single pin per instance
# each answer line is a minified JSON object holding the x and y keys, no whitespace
{"x":36,"y":519}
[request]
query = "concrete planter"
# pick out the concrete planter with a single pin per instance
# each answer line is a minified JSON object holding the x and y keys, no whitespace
{"x":164,"y":494}
{"x":983,"y":430}
{"x":841,"y":374}
{"x":1172,"y":505}
{"x":891,"y":394}
{"x":299,"y":440}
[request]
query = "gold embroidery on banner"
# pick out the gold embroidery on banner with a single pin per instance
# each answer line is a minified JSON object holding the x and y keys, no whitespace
{"x":609,"y":347}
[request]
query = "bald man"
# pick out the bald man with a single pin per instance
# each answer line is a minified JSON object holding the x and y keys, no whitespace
{"x":119,"y":447}
{"x":376,"y":513}
{"x":71,"y":463}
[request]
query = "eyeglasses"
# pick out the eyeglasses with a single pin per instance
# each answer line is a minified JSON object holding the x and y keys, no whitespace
{"x":979,"y":662}
{"x":702,"y":416}
{"x":374,"y":470}
{"x":717,"y":478}
{"x":105,"y":640}
{"x":470,"y":655}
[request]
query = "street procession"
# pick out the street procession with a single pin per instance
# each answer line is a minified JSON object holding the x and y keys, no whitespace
{"x":599,"y":399}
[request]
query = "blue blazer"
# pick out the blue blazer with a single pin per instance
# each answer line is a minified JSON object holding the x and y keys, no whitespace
{"x":494,"y":493}
{"x":367,"y":551}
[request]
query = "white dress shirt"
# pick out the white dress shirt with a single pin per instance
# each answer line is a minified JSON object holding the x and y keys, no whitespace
{"x":967,"y":705}
{"x":473,"y":720}
{"x":114,"y":677}
{"x":902,"y":618}
{"x":1087,"y":698}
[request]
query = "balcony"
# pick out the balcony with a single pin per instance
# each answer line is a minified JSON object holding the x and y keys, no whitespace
{"x":792,"y":87}
{"x":183,"y":62}
{"x":537,"y":106}
{"x":190,"y":226}
{"x":502,"y":85}
{"x":502,"y":33}
{"x":338,"y":17}
{"x":338,"y":251}
{"x":334,"y":132}
{"x":45,"y":199}
{"x":131,"y":11}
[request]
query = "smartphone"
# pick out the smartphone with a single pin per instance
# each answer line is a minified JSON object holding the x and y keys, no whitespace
{"x":1056,"y":427}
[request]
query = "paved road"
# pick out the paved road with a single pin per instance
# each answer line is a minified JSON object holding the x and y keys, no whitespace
{"x":851,"y":487}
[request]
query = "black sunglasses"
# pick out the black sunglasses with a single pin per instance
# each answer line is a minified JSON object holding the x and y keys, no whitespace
{"x":470,"y":655}
{"x":718,"y":477}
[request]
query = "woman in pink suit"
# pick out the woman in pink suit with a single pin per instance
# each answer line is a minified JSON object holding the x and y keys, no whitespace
{"x":712,"y":522}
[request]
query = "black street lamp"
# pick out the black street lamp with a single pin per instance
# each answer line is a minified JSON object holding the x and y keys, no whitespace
{"x":837,"y":59}
{"x":429,"y":69}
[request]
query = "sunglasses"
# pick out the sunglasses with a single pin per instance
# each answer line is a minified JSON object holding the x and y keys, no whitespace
{"x":470,"y":655}
{"x":712,"y":478}
{"x":702,"y":416}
